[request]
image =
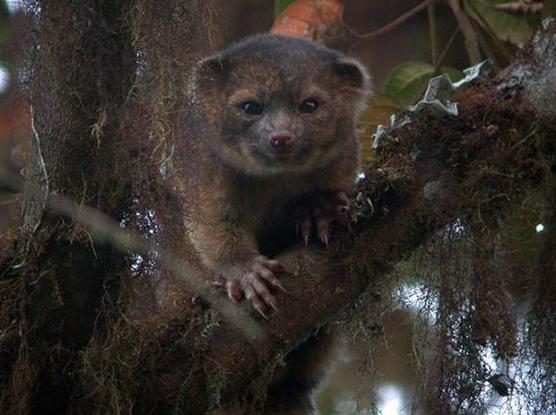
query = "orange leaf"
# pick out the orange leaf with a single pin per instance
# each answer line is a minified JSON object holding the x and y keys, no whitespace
{"x":310,"y":19}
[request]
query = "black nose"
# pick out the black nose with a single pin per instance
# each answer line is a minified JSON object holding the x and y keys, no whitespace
{"x":281,"y":139}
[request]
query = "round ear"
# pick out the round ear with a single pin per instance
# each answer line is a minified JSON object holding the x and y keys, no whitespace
{"x":353,"y":74}
{"x":209,"y":73}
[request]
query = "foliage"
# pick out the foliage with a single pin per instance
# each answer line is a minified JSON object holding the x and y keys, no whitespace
{"x":408,"y":81}
{"x":514,"y":28}
{"x":281,"y":5}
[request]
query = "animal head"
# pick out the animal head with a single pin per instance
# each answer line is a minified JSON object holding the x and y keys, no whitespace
{"x":279,"y":104}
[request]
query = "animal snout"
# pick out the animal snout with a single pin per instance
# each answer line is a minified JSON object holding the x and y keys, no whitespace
{"x":281,"y":139}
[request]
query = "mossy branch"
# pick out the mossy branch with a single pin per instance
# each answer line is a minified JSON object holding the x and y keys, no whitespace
{"x":435,"y":171}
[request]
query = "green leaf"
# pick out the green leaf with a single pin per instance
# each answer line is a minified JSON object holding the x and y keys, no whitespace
{"x":378,"y":111}
{"x":454,"y":73}
{"x":280,"y":6}
{"x":507,"y":27}
{"x":408,"y":81}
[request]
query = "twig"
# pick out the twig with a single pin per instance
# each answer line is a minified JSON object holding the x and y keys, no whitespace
{"x":394,"y":23}
{"x":432,"y":31}
{"x":39,"y":151}
{"x":471,"y":42}
{"x":8,"y":201}
{"x":499,"y":45}
{"x":103,"y":228}
{"x":446,"y":49}
{"x":43,"y":169}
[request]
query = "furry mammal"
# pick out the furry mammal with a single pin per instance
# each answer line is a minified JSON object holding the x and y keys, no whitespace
{"x":273,"y":126}
{"x":274,"y":119}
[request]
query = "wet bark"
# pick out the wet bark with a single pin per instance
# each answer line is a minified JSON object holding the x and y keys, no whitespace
{"x":79,"y":80}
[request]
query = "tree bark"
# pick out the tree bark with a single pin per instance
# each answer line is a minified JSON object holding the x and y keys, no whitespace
{"x":82,"y":66}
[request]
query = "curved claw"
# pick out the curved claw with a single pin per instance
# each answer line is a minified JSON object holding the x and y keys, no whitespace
{"x":253,"y":280}
{"x":324,"y":238}
{"x":235,"y":293}
{"x":325,"y":211}
{"x":306,"y":226}
{"x":260,"y":311}
{"x":279,"y":285}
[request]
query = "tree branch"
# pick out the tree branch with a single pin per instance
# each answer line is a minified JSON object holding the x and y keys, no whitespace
{"x":471,"y":41}
{"x":432,"y":172}
{"x":394,"y":23}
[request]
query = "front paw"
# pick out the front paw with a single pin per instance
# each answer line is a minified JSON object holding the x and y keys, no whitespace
{"x":253,"y":279}
{"x":323,"y":210}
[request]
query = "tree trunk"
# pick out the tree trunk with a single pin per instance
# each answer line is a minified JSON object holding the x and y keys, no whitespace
{"x":83,"y":68}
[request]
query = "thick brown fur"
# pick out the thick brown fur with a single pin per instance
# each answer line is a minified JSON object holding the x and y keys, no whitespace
{"x":236,"y":179}
{"x":273,"y":122}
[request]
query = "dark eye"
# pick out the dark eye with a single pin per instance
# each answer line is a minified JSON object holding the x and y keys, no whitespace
{"x":308,"y":106}
{"x":251,"y":108}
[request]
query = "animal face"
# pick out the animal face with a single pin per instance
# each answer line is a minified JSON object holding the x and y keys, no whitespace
{"x":277,"y":104}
